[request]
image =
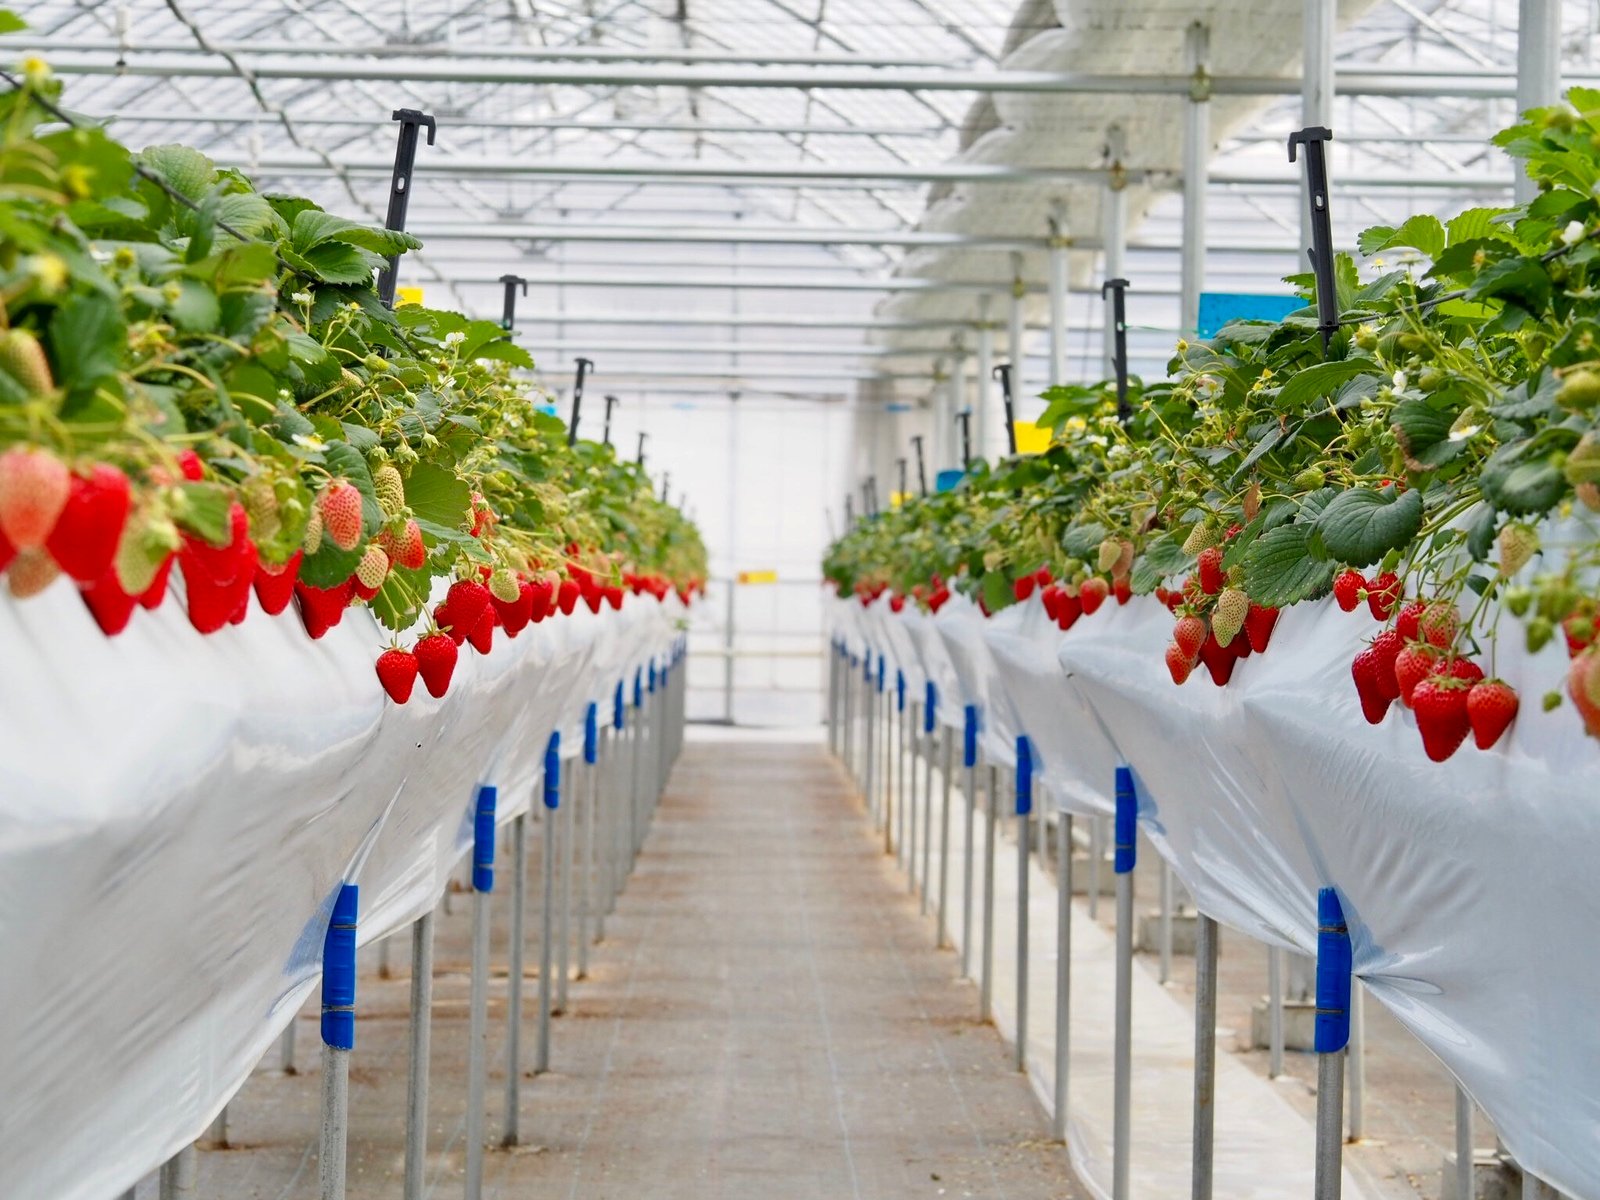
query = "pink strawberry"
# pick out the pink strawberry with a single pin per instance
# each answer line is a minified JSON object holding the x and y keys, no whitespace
{"x":1583,"y":685}
{"x":1092,"y":594}
{"x":34,"y":487}
{"x":32,"y":571}
{"x":436,"y":662}
{"x":84,"y":540}
{"x":340,"y":505}
{"x":1440,"y":623}
{"x":405,"y":547}
{"x":397,"y":671}
{"x":1491,"y":707}
{"x":1189,"y":634}
{"x":1440,"y":703}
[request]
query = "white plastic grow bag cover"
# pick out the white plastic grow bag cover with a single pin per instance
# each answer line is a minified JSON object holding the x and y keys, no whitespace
{"x":176,"y":816}
{"x":1467,"y":885}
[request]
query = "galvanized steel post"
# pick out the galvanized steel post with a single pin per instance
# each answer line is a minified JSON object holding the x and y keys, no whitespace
{"x":986,"y":974}
{"x":514,"y":975}
{"x":1063,"y":972}
{"x":1024,"y":809}
{"x":1205,"y":1054}
{"x":552,"y":806}
{"x":478,"y":1005}
{"x":591,"y":776}
{"x":1332,"y":1039}
{"x":1126,"y":849}
{"x":338,"y":1037}
{"x":969,"y":760}
{"x":929,"y":725}
{"x":421,"y":1037}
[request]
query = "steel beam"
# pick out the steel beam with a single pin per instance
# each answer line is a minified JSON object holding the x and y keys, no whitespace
{"x":736,"y":233}
{"x":1196,"y":158}
{"x":1538,"y":70}
{"x":769,"y":283}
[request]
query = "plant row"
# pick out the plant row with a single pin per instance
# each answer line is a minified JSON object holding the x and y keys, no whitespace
{"x":197,"y":375}
{"x":1437,"y":462}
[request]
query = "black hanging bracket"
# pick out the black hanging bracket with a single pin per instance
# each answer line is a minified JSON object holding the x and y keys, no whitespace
{"x":849,"y":512}
{"x":901,"y":464}
{"x":1315,"y":138}
{"x":611,"y":402}
{"x":1003,"y":374}
{"x":508,"y":311}
{"x":1117,"y":289}
{"x":640,"y":458}
{"x":405,"y":162}
{"x":584,"y":367}
{"x":922,"y":469}
{"x":871,"y":487}
{"x":666,"y":478}
{"x":965,"y":419}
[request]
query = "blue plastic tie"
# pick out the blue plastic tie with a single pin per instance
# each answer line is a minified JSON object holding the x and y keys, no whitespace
{"x":969,"y":737}
{"x":591,"y":733}
{"x":900,"y":691}
{"x":619,"y":705}
{"x":1127,"y":822}
{"x":1333,"y":974}
{"x":866,"y":668}
{"x":638,"y":688}
{"x":339,"y":971}
{"x":1025,"y":776}
{"x":483,"y":840}
{"x":552,"y":772}
{"x":930,"y":703}
{"x":652,"y":677}
{"x":881,"y":667}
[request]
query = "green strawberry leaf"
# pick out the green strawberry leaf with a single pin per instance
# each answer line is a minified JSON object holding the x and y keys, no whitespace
{"x":1282,"y":569}
{"x":1359,"y":526}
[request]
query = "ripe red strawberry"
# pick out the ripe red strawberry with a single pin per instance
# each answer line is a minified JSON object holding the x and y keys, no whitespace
{"x":84,"y":540}
{"x":1050,"y":598}
{"x":397,"y":671}
{"x":1068,"y":609}
{"x":1178,"y":663}
{"x":1408,"y":624}
{"x":405,"y":548}
{"x":1210,"y":566}
{"x":614,"y":597}
{"x":1022,"y":587}
{"x":34,"y":487}
{"x":897,"y":603}
{"x":1043,"y":577}
{"x":1411,"y":666}
{"x":1465,"y":669}
{"x":219,"y":564}
{"x":514,"y":617}
{"x":274,"y":583}
{"x":239,"y":589}
{"x":567,"y":596}
{"x":1122,"y":589}
{"x":940,"y":597}
{"x":1347,"y":589}
{"x":482,"y":635}
{"x":544,"y":595}
{"x":1218,"y":659}
{"x":153,"y":595}
{"x":108,"y":604}
{"x":1258,"y":625}
{"x":436,"y":662}
{"x":1383,"y":593}
{"x":210,"y":603}
{"x":1440,"y":703}
{"x":467,"y":601}
{"x":322,"y":608}
{"x":7,"y":550}
{"x":1092,"y":594}
{"x":1583,"y":685}
{"x":1189,"y":634}
{"x":190,"y":466}
{"x":1368,"y":671}
{"x":1386,"y":648}
{"x":1440,"y":624}
{"x":1491,"y":707}
{"x":340,"y":506}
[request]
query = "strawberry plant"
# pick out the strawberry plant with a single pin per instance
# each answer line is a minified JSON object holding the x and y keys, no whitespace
{"x":1438,"y":463}
{"x":196,"y":373}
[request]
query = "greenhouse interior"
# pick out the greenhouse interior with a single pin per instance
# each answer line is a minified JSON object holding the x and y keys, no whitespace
{"x":799,"y":598}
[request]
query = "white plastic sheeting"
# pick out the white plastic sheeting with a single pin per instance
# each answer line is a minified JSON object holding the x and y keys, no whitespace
{"x":176,"y":817}
{"x":1467,"y":885}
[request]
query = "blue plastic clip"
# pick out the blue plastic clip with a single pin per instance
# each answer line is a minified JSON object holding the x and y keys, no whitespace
{"x":1024,"y":775}
{"x":552,"y":772}
{"x":1127,"y":822}
{"x":866,"y":667}
{"x":591,"y":733}
{"x":619,"y":705}
{"x":1333,"y":974}
{"x":930,"y":702}
{"x":899,"y":691}
{"x":638,"y":688}
{"x":881,"y":664}
{"x":483,"y":841}
{"x":652,"y":676}
{"x":969,"y":737}
{"x":339,"y":971}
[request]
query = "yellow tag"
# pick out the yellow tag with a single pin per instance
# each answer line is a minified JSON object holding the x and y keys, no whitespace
{"x":407,"y":295}
{"x":896,"y":499}
{"x":758,"y":577}
{"x":1031,"y":438}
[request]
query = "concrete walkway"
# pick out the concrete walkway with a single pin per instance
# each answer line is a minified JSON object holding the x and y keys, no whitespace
{"x":766,"y":1017}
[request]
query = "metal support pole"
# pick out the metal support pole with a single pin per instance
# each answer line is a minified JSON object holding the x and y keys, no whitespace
{"x":591,"y":776}
{"x":1274,"y":1012}
{"x":1464,"y":1156}
{"x":338,"y":1038}
{"x":478,"y":1010}
{"x":948,"y":769}
{"x":929,"y":719}
{"x":566,"y":819}
{"x":907,"y":767}
{"x":1196,"y":157}
{"x":831,"y":713}
{"x":1015,"y":338}
{"x":869,"y":737}
{"x":383,"y":958}
{"x":1097,"y":854}
{"x":1316,"y":87}
{"x":1127,"y":832}
{"x":552,"y":806}
{"x":179,"y":1175}
{"x":969,"y":759}
{"x":986,"y":974}
{"x":421,"y":1031}
{"x":1114,"y":203}
{"x":1205,"y":1053}
{"x":514,"y":976}
{"x":286,"y":1048}
{"x":1356,"y":1068}
{"x":1166,"y":922}
{"x":1332,"y":1038}
{"x":982,"y":399}
{"x":1063,"y":973}
{"x":1022,"y":787}
{"x":1538,"y":68}
{"x":908,"y":834}
{"x":1058,"y":296}
{"x":849,"y":717}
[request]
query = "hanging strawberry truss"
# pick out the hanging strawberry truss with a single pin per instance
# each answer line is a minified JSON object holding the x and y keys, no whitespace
{"x":1438,"y":465}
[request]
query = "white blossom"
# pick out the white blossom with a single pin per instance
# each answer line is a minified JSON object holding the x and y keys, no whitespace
{"x":1573,"y":233}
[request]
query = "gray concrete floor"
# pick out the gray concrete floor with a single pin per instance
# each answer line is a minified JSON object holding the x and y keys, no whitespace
{"x":764,"y":1019}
